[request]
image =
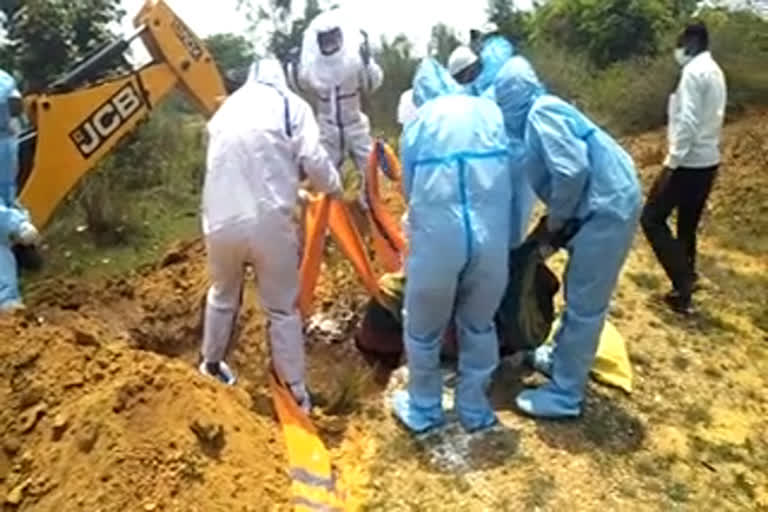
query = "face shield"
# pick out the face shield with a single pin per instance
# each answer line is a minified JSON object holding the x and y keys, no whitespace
{"x":468,"y":74}
{"x":464,"y":65}
{"x":330,"y":41}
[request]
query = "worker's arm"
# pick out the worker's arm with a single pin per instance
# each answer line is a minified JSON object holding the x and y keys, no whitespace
{"x":310,"y":154}
{"x":371,"y":75}
{"x":565,"y":155}
{"x":685,"y":125}
{"x":293,"y":71}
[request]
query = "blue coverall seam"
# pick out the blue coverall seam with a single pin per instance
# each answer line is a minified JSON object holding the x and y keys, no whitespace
{"x":465,"y":210}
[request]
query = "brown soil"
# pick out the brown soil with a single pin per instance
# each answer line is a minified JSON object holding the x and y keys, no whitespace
{"x":102,"y":409}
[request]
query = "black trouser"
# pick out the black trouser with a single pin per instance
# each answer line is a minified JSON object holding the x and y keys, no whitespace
{"x":686,"y":190}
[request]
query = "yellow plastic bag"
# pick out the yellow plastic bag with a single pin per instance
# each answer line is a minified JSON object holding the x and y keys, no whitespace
{"x":612,"y":366}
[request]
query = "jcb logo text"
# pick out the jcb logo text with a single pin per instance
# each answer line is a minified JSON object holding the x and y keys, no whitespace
{"x":106,"y":120}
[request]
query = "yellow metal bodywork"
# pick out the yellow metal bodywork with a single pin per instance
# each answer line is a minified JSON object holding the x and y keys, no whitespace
{"x":76,"y":129}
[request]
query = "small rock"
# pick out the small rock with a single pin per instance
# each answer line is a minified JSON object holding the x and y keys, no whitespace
{"x":210,"y":436}
{"x":60,"y":424}
{"x":87,"y":437}
{"x":31,"y":396}
{"x":85,"y":339}
{"x":75,"y":380}
{"x":173,"y":257}
{"x":149,"y":507}
{"x":16,"y":495}
{"x":11,"y":445}
{"x":30,"y":418}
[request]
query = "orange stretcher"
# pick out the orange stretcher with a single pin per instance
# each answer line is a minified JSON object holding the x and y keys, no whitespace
{"x":323,"y":213}
{"x":315,"y":484}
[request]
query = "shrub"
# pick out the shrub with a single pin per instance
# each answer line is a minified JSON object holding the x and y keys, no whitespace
{"x":165,"y":155}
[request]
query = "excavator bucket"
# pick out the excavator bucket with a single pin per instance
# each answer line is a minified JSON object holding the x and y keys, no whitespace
{"x":169,"y":40}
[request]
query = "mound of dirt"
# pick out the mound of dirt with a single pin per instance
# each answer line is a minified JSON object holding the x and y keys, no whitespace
{"x":96,"y":417}
{"x":103,"y":408}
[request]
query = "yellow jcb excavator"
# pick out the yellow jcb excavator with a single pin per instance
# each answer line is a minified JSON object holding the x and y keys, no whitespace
{"x":77,"y":122}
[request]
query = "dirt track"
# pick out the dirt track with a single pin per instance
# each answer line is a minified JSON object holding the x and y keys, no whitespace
{"x":102,"y":409}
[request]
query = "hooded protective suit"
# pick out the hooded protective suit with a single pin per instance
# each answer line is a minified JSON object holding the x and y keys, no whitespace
{"x":580,"y":173}
{"x":13,"y":218}
{"x":496,"y":51}
{"x":455,"y":158}
{"x":250,"y":193}
{"x":337,"y":81}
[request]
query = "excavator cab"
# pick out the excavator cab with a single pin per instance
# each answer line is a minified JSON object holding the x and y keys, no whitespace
{"x":81,"y":117}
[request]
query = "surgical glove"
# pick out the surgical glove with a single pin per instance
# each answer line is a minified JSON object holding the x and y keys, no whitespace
{"x":567,"y":231}
{"x":27,"y":234}
{"x":304,"y":196}
{"x":555,"y":234}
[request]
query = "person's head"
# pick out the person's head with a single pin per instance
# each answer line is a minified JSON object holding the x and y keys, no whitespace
{"x":477,"y":36}
{"x":432,"y":80}
{"x":464,"y":65}
{"x":330,"y":41}
{"x":235,"y":79}
{"x":269,"y":71}
{"x":691,"y":42}
{"x":516,"y":88}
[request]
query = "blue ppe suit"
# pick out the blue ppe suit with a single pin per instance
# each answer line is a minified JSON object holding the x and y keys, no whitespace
{"x":523,"y":197}
{"x":11,"y":215}
{"x":455,"y":158}
{"x":496,"y":51}
{"x":580,"y":173}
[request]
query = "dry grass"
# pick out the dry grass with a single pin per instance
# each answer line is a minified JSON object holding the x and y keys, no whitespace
{"x":692,"y":436}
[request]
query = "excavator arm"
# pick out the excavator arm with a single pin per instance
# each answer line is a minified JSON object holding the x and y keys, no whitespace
{"x":77,"y":125}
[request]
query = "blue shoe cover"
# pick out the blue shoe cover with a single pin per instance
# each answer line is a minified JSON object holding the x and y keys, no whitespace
{"x":548,"y":402}
{"x":474,"y":420}
{"x":416,"y":419}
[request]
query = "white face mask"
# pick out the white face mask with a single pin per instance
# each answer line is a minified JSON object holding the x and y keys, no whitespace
{"x":681,"y":57}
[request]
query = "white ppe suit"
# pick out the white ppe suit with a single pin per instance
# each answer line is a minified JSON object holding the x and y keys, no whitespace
{"x":258,"y":140}
{"x":337,"y":82}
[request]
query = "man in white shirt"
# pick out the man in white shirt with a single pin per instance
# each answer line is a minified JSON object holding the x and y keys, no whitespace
{"x":259,"y":140}
{"x":696,"y":112}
